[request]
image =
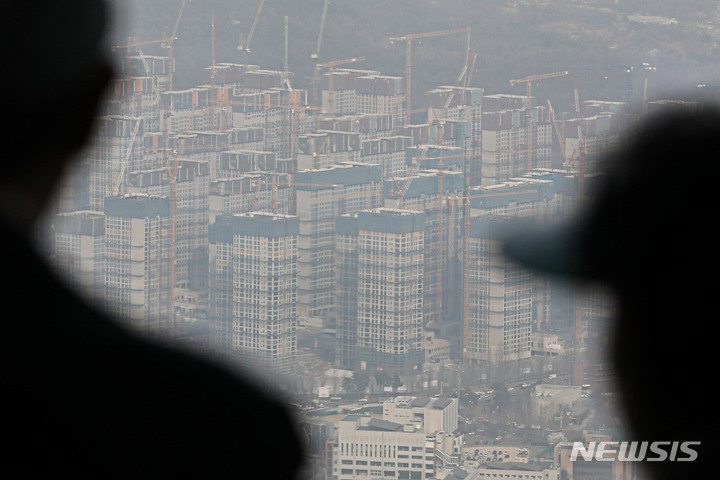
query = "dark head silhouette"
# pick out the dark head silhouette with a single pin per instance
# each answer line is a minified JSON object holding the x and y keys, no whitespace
{"x":56,"y":70}
{"x":648,"y":234}
{"x":82,"y":397}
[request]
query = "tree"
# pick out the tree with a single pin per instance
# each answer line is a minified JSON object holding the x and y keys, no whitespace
{"x":357,"y":383}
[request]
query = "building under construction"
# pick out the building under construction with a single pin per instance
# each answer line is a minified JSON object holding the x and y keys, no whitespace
{"x":253,"y":290}
{"x":323,"y":195}
{"x":380,"y":275}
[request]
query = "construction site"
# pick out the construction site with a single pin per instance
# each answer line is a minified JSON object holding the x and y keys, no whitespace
{"x":330,"y":215}
{"x":247,"y":141}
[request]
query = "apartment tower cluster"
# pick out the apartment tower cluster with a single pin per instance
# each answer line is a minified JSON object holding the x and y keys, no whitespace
{"x":237,"y":205}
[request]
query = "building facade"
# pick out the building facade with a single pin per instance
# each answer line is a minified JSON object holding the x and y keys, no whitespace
{"x":253,"y":290}
{"x":385,"y":332}
{"x":137,"y":259}
{"x":79,"y":251}
{"x":498,"y":297}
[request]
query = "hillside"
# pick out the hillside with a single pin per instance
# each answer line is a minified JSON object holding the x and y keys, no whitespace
{"x":512,"y":39}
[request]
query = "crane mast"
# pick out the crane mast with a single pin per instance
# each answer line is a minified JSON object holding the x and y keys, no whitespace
{"x":408,"y":60}
{"x":528,"y":109}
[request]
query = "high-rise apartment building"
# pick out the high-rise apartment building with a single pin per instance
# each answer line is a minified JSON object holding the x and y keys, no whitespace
{"x":79,"y":251}
{"x":135,"y":92}
{"x":204,"y":146}
{"x":506,"y":150}
{"x":381,"y":94}
{"x":461,"y":108}
{"x":498,"y":296}
{"x":250,"y":192}
{"x":549,"y":196}
{"x":386,"y":329}
{"x":339,"y":92}
{"x":137,"y":262}
{"x":278,"y":111}
{"x":427,"y":191}
{"x":195,"y":109}
{"x":368,"y":126}
{"x":322,"y":149}
{"x":253,"y":290}
{"x":322,"y":195}
{"x":389,"y":153}
{"x":186,"y":184}
{"x":602,"y":129}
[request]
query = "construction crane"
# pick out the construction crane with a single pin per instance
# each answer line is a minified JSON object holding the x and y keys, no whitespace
{"x":581,"y":140}
{"x":246,"y":46}
{"x":316,"y":151}
{"x":528,"y":110}
{"x":560,"y":137}
{"x":128,"y":151}
{"x":168,"y":44}
{"x":294,"y":102}
{"x":408,"y":59}
{"x":468,"y":77}
{"x":132,"y":42}
{"x":449,"y":100}
{"x":316,"y":55}
{"x":401,"y":191}
{"x":439,"y":119}
{"x":331,"y":66}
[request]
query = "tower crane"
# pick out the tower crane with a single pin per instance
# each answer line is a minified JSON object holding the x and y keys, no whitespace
{"x":449,"y":100}
{"x":331,"y":66}
{"x":316,"y":55}
{"x":581,"y":140}
{"x":408,"y":59}
{"x":528,"y":110}
{"x":168,"y":44}
{"x":294,"y":102}
{"x":316,"y":152}
{"x":132,"y":42}
{"x":246,"y":46}
{"x":560,"y":137}
{"x":128,"y":151}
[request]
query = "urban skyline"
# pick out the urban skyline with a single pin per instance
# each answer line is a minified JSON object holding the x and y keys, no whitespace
{"x":313,"y":237}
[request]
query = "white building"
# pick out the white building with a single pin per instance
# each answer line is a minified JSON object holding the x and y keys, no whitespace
{"x":369,"y":447}
{"x":427,"y":414}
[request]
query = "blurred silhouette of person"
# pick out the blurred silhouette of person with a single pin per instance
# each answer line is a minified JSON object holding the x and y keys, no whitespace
{"x":80,"y":396}
{"x":648,"y":233}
